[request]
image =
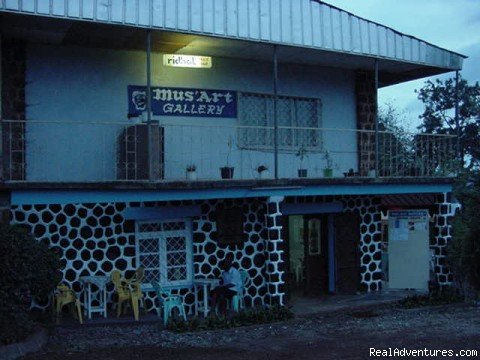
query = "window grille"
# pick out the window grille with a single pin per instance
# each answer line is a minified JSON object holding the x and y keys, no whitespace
{"x":298,"y":119}
{"x":164,"y":249}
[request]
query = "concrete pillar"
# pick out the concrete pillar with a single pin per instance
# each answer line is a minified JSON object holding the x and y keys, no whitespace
{"x":442,"y":235}
{"x":275,"y":254}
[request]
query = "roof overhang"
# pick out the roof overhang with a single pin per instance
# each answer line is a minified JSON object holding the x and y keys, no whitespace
{"x":52,"y":193}
{"x":310,"y":33}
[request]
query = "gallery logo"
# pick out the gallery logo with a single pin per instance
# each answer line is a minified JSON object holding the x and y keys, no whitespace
{"x":139,"y":99}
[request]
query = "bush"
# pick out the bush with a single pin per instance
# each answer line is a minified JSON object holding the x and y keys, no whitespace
{"x":29,"y":270}
{"x":444,"y":297}
{"x":244,"y":318}
{"x":463,"y":253}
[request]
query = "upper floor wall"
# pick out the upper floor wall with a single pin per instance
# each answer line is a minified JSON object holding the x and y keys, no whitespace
{"x":77,"y":111}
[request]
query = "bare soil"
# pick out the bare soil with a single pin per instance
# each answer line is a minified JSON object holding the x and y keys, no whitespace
{"x":339,"y":335}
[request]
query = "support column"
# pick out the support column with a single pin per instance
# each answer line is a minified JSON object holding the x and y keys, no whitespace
{"x":275,"y":102}
{"x":442,"y":235}
{"x":275,"y":262}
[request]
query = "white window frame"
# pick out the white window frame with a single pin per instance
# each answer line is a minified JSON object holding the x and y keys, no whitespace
{"x":264,"y":123}
{"x":162,"y":236}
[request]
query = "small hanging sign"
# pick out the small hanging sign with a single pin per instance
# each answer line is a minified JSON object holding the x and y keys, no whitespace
{"x":189,"y":61}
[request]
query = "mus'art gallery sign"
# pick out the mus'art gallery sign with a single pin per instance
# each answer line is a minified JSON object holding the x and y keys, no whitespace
{"x":171,"y":101}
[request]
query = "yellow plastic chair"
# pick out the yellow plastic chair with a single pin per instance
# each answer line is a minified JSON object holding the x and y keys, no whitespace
{"x":137,"y":298}
{"x":137,"y":276}
{"x":128,"y":292}
{"x":66,"y":296}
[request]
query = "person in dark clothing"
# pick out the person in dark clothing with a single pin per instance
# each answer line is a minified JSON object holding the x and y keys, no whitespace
{"x":230,"y":284}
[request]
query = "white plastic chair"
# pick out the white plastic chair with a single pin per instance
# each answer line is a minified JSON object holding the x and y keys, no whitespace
{"x":168,"y":302}
{"x":238,"y":301}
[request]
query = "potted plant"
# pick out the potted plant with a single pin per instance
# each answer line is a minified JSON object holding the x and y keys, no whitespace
{"x":191,"y":172}
{"x":302,"y":153}
{"x":328,"y":169}
{"x":262,"y":172}
{"x":227,"y":171}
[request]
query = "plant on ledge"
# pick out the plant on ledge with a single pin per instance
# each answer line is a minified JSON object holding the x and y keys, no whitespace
{"x":192,"y":172}
{"x":302,"y":153}
{"x":329,"y":164}
{"x":227,"y":171}
{"x":262,"y":172}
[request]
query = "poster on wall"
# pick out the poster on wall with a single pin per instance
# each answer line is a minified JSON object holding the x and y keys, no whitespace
{"x":401,"y":223}
{"x":169,"y":101}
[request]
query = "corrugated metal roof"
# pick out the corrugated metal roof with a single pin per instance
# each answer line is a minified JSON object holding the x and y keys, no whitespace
{"x":304,"y":23}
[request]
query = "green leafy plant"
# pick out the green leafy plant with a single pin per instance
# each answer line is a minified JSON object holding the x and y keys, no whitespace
{"x":29,"y":271}
{"x":302,"y":153}
{"x":244,"y":318}
{"x":444,"y":297}
{"x":328,"y":160}
{"x":463,"y":251}
{"x":191,"y":167}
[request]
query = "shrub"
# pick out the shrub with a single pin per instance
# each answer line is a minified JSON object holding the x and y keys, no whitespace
{"x":463,"y":253}
{"x":29,"y":270}
{"x":244,"y":318}
{"x":444,"y":297}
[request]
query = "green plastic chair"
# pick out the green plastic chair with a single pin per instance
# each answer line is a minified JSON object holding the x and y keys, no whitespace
{"x":238,"y":301}
{"x":168,"y":302}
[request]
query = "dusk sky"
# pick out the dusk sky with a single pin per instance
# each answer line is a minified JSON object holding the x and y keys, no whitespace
{"x":451,"y":24}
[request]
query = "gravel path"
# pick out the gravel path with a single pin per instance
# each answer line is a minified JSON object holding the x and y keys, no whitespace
{"x":337,"y":335}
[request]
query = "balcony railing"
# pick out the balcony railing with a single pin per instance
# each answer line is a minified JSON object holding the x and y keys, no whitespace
{"x":63,"y":151}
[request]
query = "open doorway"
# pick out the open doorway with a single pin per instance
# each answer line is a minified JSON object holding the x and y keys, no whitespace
{"x":322,"y":254}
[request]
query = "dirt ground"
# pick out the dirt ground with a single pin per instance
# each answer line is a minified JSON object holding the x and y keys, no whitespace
{"x":340,"y":335}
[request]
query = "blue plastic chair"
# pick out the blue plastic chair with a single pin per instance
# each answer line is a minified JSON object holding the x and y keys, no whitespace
{"x":168,"y":302}
{"x":238,"y":301}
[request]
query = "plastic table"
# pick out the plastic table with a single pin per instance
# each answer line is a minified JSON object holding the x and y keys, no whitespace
{"x":101,"y":282}
{"x":206,"y":284}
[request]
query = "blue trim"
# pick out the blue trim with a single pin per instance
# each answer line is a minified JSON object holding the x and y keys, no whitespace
{"x":311,"y":208}
{"x":162,"y":213}
{"x":49,"y":196}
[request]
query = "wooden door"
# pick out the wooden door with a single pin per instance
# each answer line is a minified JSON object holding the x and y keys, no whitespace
{"x":316,"y":254}
{"x":347,"y":253}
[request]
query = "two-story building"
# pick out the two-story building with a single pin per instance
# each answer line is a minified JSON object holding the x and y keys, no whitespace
{"x":106,"y":104}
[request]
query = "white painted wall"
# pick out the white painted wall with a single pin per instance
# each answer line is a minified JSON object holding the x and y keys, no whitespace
{"x":88,"y":89}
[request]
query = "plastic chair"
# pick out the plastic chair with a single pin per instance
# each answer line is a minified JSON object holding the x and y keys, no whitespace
{"x":138,"y":276}
{"x":66,"y":296}
{"x":127,"y":292}
{"x":168,"y":302}
{"x":238,"y":301}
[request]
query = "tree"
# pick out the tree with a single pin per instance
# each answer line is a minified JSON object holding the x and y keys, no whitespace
{"x":464,"y":252}
{"x":395,"y":143}
{"x":439,"y":98}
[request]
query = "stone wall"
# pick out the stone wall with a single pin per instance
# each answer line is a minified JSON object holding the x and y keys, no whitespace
{"x":366,"y":97}
{"x":442,"y":235}
{"x":94,"y":239}
{"x":13,"y":108}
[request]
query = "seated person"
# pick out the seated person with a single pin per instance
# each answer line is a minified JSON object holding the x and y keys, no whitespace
{"x":230,"y":284}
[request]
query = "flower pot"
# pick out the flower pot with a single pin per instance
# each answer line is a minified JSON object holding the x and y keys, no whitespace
{"x":191,"y":175}
{"x":328,"y":173}
{"x":302,"y":173}
{"x":263,"y":174}
{"x":227,"y":172}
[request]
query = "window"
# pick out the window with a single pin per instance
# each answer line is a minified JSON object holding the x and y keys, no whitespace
{"x":164,"y":249}
{"x":299,"y":122}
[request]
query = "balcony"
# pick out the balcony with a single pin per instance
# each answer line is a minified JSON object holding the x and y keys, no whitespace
{"x":93,"y":152}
